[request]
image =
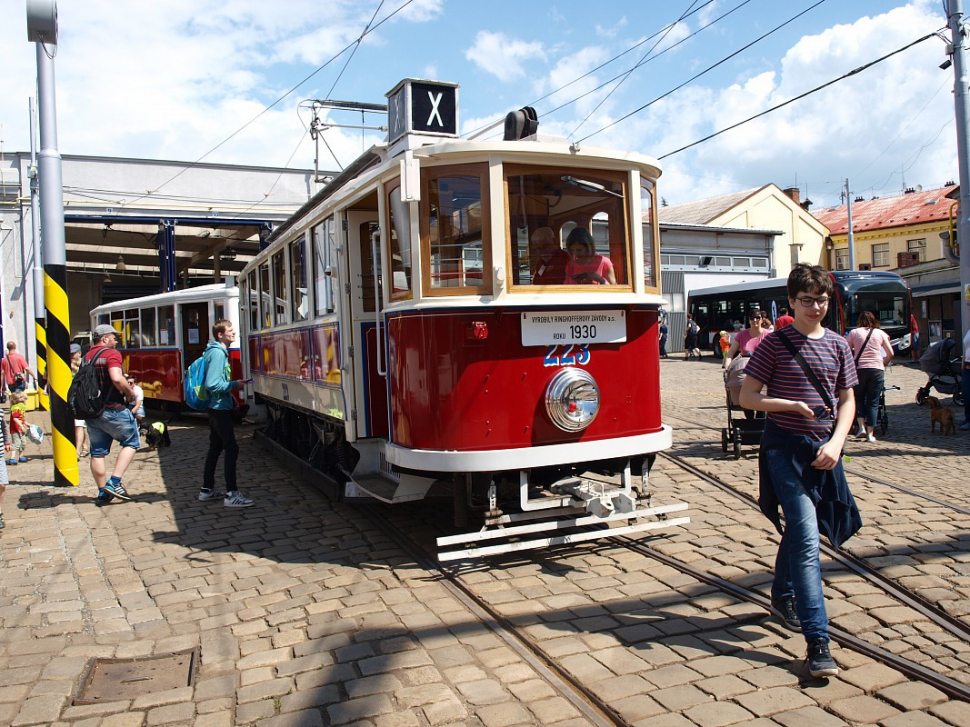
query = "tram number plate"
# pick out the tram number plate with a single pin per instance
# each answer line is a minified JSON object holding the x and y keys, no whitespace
{"x":548,"y":327}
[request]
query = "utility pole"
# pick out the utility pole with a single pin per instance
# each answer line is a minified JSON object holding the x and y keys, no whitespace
{"x":40,"y":324}
{"x":42,"y":31}
{"x":958,"y":35}
{"x":848,"y":207}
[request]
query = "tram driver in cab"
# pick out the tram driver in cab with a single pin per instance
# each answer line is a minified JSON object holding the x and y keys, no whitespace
{"x":585,"y":266}
{"x":548,"y":258}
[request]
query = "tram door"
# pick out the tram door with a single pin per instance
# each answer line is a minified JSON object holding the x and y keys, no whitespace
{"x":370,"y":356}
{"x":195,"y":331}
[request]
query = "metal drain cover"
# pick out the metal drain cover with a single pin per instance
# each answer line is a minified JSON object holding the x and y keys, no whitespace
{"x":116,"y":680}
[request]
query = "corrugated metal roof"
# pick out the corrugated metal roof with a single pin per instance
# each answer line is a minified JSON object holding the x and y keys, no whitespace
{"x":879,"y":214}
{"x":703,"y":211}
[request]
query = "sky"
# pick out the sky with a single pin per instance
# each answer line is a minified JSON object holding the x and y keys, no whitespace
{"x":229,"y":82}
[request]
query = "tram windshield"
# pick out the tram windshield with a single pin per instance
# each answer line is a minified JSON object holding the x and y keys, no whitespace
{"x":567,"y":227}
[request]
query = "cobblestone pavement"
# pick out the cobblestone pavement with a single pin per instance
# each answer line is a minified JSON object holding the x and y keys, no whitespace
{"x":304,"y":614}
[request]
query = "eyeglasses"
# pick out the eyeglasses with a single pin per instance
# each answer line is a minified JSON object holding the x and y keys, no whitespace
{"x":808,"y":301}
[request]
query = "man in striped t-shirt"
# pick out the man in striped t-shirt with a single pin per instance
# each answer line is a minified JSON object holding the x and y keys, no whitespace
{"x":801,"y":450}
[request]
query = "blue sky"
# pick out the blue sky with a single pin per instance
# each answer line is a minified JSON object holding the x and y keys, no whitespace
{"x":174,"y":79}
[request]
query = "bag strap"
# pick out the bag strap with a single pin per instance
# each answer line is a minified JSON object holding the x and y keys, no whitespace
{"x":864,"y":344}
{"x":812,"y":378}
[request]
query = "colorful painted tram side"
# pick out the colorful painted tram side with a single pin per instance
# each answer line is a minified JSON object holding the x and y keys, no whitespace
{"x":160,"y":335}
{"x":410,"y":338}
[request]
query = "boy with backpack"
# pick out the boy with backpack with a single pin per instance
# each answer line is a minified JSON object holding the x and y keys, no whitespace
{"x":216,"y":397}
{"x":101,"y":396}
{"x":809,"y":374}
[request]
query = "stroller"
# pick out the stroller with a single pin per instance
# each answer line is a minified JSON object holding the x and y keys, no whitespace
{"x":740,"y":429}
{"x":942,"y":362}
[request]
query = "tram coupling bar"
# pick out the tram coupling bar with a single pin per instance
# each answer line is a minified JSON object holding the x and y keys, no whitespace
{"x":599,"y":499}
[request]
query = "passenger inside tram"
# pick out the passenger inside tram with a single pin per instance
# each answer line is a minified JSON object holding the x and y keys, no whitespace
{"x":547,"y":259}
{"x":585,"y":266}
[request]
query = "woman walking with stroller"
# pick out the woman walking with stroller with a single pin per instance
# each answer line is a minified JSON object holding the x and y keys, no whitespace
{"x":873,"y":350}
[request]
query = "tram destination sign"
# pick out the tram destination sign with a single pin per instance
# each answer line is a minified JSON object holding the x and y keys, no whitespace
{"x":545,"y":328}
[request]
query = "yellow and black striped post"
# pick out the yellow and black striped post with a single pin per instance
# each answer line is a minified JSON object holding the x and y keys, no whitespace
{"x":41,"y":334}
{"x":59,"y":376}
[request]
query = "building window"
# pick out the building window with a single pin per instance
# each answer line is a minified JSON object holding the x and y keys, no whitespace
{"x":880,"y":255}
{"x":919,"y":247}
{"x":842,"y":259}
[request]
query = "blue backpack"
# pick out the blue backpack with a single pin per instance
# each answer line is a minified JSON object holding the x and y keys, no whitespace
{"x":196,"y":396}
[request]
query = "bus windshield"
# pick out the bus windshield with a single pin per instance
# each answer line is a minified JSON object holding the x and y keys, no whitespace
{"x":886,"y":300}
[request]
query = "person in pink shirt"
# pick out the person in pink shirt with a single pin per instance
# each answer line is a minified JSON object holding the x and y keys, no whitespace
{"x":873,"y":350}
{"x":747,"y":339}
{"x":585,"y":267}
{"x":14,"y":368}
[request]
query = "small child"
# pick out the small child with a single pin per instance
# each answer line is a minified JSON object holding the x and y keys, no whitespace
{"x":18,"y":426}
{"x":724,"y":343}
{"x":138,"y":407}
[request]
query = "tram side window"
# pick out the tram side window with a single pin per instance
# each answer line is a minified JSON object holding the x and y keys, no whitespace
{"x":455,"y":223}
{"x":279,"y":287}
{"x":324,"y":264}
{"x":651,"y":251}
{"x":252,"y":302}
{"x":265,"y":297}
{"x":166,"y":325}
{"x":557,"y":201}
{"x":300,"y":302}
{"x":397,"y":244}
{"x":148,"y":327}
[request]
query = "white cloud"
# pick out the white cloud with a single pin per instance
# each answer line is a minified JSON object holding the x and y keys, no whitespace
{"x":502,"y":56}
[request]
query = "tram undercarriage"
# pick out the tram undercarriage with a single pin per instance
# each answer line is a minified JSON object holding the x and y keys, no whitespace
{"x":509,"y":511}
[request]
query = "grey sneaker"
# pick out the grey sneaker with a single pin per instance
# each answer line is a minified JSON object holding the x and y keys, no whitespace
{"x":820,"y":661}
{"x":211,"y":495}
{"x":237,"y":499}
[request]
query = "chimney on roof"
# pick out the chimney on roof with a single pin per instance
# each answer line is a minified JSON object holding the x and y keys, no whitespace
{"x":910,"y":190}
{"x":859,"y":199}
{"x":949,"y":183}
{"x":794,"y":193}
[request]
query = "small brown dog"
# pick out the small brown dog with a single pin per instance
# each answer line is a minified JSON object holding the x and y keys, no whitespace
{"x":941,"y":414}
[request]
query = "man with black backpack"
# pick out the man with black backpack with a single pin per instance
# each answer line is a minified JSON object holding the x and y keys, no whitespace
{"x":116,"y":422}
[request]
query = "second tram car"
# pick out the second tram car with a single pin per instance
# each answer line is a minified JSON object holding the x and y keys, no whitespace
{"x":160,"y":335}
{"x":411,"y":333}
{"x":881,"y":292}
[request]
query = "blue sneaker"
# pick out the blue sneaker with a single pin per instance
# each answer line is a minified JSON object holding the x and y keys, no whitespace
{"x":22,"y":460}
{"x":11,"y":461}
{"x":103,"y":499}
{"x":118,"y":490}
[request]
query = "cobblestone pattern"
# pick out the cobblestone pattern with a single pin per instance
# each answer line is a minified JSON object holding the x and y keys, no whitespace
{"x":306,"y":616}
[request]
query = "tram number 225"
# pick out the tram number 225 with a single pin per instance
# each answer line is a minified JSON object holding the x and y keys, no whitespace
{"x":572,"y":356}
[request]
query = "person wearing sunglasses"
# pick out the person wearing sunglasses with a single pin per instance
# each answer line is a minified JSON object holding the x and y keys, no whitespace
{"x":747,"y":339}
{"x":803,"y":376}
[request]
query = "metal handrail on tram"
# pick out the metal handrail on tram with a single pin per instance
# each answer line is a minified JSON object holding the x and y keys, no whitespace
{"x":381,"y":369}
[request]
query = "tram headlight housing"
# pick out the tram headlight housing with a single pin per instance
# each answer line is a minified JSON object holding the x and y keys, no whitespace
{"x":572,"y":399}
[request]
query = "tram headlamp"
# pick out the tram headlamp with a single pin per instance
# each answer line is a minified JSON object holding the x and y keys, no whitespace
{"x":572,"y":399}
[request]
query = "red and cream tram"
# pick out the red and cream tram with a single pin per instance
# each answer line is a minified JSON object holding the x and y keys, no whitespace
{"x":408,"y":339}
{"x":160,"y":335}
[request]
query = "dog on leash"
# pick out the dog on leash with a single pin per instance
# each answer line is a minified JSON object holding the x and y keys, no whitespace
{"x":941,"y":414}
{"x":156,"y":435}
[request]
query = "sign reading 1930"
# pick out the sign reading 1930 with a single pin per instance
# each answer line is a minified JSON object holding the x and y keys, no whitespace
{"x":543,"y":328}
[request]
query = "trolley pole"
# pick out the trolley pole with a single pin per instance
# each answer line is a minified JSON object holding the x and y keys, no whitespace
{"x":42,"y":31}
{"x":40,"y":324}
{"x":958,"y":31}
{"x":848,"y":207}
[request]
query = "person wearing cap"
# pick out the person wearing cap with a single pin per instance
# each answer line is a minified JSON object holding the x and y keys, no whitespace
{"x":80,"y":426}
{"x":117,"y":422}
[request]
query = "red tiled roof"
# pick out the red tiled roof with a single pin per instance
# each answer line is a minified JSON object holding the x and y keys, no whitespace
{"x":878,"y":214}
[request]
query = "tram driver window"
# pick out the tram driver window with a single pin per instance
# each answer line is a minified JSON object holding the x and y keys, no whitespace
{"x":651,"y":248}
{"x":398,"y":244}
{"x":558,"y":200}
{"x":324,"y":258}
{"x":280,"y":287}
{"x":298,"y":276}
{"x":454,"y":222}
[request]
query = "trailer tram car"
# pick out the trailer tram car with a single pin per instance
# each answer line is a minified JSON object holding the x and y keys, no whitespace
{"x":395,"y":330}
{"x":160,"y":335}
{"x":882,"y":292}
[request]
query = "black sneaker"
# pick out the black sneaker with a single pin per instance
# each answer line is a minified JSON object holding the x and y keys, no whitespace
{"x":820,"y":661}
{"x":103,"y":499}
{"x":784,"y":608}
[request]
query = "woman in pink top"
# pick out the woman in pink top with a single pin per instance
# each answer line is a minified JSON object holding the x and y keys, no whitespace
{"x":585,"y":267}
{"x":747,"y":339}
{"x":872,"y":350}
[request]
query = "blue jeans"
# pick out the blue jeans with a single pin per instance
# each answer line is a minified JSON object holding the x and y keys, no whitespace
{"x":113,"y":425}
{"x":871,"y":382}
{"x":798,"y":571}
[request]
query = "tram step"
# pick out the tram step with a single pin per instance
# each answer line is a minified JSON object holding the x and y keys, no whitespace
{"x":386,"y":489}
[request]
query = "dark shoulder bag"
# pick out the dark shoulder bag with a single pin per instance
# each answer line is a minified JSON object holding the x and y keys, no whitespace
{"x":864,"y":344}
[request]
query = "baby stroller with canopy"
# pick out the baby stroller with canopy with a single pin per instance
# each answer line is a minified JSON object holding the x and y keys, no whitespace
{"x":744,"y":429}
{"x":942,"y":362}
